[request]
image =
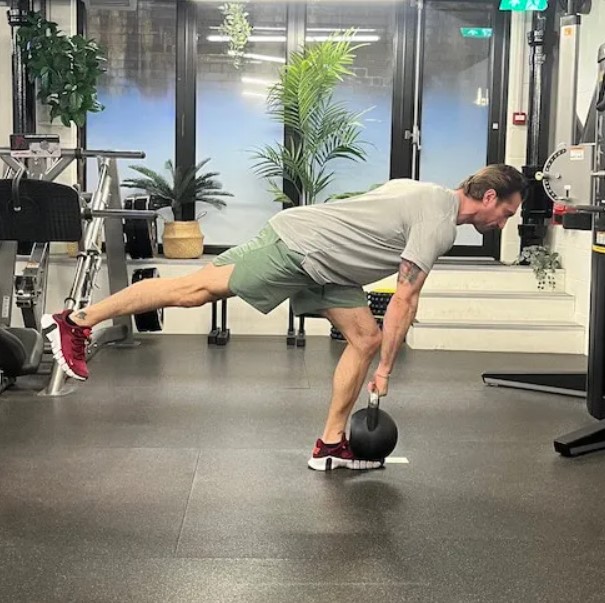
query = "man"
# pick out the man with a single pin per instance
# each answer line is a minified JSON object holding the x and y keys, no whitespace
{"x":320,"y":256}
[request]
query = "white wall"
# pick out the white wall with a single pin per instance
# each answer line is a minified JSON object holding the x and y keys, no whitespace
{"x":573,"y":246}
{"x":591,"y":38}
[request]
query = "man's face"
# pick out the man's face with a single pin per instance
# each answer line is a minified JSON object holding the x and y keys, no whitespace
{"x":495,"y":212}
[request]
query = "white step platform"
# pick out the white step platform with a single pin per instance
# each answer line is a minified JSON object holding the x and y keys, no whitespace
{"x":493,"y":308}
{"x":547,"y":337}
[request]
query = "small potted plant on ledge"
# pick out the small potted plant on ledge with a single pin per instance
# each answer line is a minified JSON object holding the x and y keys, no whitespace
{"x":543,"y":262}
{"x":182,"y":239}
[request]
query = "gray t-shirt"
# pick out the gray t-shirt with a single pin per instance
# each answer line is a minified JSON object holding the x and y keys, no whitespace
{"x":360,"y":240}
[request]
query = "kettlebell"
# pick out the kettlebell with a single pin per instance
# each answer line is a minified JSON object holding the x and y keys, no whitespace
{"x":373,"y":432}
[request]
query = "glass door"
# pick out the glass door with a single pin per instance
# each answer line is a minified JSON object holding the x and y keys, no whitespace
{"x":454,"y":103}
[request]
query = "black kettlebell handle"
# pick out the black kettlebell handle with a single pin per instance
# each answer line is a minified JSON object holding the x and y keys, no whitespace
{"x":373,"y":406}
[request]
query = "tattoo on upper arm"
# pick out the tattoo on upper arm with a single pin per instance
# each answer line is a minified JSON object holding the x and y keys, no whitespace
{"x":408,"y":272}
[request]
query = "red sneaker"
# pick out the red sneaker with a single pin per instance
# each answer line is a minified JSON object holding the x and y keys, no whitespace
{"x":334,"y":456}
{"x":68,"y":344}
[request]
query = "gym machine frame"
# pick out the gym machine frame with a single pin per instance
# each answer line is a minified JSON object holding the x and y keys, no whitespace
{"x":105,"y":203}
{"x":573,"y":174}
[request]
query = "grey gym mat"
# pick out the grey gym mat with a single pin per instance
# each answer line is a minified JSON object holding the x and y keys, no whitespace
{"x":178,"y":473}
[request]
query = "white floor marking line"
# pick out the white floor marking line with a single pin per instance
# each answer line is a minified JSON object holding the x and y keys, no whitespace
{"x":397,"y":460}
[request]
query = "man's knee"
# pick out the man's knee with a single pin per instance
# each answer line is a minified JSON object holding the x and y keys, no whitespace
{"x":186,"y":293}
{"x":368,"y":343}
{"x":359,"y":328}
{"x":206,"y":285}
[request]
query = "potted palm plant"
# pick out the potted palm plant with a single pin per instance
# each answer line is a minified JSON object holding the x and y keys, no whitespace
{"x":182,"y":239}
{"x":320,"y":129}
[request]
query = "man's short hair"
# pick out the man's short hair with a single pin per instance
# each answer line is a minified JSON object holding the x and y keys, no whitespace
{"x":504,"y":179}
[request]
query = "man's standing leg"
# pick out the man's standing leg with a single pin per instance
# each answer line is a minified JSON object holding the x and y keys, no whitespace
{"x":363,"y":337}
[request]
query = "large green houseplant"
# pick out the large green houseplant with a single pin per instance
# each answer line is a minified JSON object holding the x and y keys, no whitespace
{"x":320,"y":129}
{"x":66,"y":69}
{"x":182,"y":238}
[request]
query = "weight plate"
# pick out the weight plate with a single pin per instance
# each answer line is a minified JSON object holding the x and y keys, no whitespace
{"x":153,"y":320}
{"x":141,"y":235}
{"x":567,"y":175}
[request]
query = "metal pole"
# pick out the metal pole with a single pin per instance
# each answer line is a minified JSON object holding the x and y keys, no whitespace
{"x":186,"y":68}
{"x":537,"y":209}
{"x":87,"y":265}
{"x":89,"y":153}
{"x":415,"y":134}
{"x":99,"y":198}
{"x":536,"y":60}
{"x":114,"y":245}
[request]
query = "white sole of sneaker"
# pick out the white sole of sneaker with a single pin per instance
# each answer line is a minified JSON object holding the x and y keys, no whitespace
{"x":329,"y":463}
{"x":51,"y":330}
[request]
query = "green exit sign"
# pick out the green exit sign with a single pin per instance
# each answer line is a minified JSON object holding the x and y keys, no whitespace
{"x":524,"y":5}
{"x":476,"y":32}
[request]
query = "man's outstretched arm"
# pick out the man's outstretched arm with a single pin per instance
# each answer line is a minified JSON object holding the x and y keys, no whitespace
{"x":398,"y":317}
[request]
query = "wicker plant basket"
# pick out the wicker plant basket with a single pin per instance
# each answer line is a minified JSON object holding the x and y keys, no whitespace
{"x":183,"y":240}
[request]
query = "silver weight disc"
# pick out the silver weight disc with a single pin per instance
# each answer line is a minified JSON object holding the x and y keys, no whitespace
{"x":567,"y":175}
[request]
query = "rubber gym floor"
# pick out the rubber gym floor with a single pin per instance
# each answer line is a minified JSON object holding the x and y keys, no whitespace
{"x":178,"y":473}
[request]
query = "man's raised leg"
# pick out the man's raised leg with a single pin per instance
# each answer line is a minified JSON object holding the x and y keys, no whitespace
{"x":193,"y":290}
{"x":68,"y":332}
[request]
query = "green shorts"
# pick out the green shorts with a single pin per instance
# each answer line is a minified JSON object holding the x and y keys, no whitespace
{"x":266,"y":273}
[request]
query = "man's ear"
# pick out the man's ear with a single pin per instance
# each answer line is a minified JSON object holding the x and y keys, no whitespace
{"x":489,"y":196}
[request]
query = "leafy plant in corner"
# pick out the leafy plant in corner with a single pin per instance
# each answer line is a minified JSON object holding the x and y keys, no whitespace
{"x":320,"y":129}
{"x":66,"y":69}
{"x":543,"y":262}
{"x":236,"y":26}
{"x":185,"y":188}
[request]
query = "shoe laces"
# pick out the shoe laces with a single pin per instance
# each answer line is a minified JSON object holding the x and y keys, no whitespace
{"x":80,"y":338}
